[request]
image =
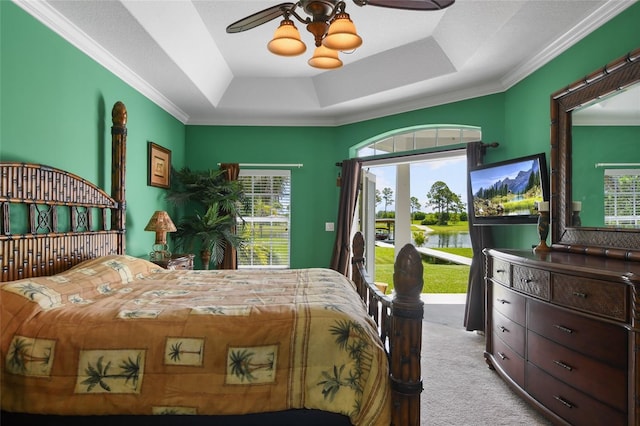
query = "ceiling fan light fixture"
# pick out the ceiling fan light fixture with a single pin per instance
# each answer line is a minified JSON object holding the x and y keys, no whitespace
{"x":332,"y":28}
{"x":286,"y":40}
{"x":342,"y":34}
{"x":325,"y":58}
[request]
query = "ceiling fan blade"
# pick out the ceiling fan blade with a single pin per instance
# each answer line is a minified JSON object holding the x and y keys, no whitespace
{"x":259,"y":18}
{"x":407,"y":4}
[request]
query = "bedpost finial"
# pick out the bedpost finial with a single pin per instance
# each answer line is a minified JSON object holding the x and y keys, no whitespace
{"x":119,"y":114}
{"x":358,"y":245}
{"x":408,"y":273}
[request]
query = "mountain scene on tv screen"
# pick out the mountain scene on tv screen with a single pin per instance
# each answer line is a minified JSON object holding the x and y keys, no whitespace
{"x":508,"y":190}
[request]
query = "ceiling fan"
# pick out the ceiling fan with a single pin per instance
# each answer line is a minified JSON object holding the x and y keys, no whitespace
{"x":329,"y":23}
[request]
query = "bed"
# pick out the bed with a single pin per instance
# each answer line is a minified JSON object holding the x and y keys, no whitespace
{"x":90,"y":334}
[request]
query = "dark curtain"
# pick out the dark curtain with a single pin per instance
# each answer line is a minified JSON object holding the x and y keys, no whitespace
{"x":351,"y":171}
{"x":230,"y":260}
{"x":474,"y":316}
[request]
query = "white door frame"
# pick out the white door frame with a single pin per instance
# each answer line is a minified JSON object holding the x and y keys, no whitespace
{"x":368,"y":207}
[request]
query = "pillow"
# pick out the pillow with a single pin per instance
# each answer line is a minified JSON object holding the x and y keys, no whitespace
{"x":102,"y":276}
{"x":112,"y":269}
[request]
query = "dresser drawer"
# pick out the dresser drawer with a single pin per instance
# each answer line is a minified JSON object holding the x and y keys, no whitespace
{"x":595,"y":378}
{"x":570,"y":404}
{"x":501,"y":271}
{"x":509,"y":361}
{"x":532,"y":281}
{"x":509,"y":303}
{"x":594,"y":296}
{"x":597,"y":339}
{"x":509,"y":332}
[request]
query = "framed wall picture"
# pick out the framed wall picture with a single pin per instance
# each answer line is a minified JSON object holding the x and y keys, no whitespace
{"x":159,"y":170}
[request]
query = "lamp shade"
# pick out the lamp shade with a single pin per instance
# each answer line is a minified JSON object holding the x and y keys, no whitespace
{"x":286,"y":40}
{"x":342,"y":34}
{"x":160,"y":223}
{"x":325,"y":58}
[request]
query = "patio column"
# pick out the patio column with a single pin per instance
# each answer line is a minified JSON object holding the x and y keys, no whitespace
{"x":402,"y":231}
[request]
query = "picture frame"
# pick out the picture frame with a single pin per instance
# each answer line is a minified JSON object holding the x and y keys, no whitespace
{"x":159,"y":168}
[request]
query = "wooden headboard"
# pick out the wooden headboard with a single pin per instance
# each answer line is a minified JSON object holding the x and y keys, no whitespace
{"x":52,"y":219}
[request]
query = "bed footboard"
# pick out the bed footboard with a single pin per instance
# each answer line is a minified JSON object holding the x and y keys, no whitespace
{"x":399,"y":320}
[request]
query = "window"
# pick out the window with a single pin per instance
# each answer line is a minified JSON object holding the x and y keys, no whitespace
{"x":622,"y":197}
{"x":267,"y":213}
{"x":429,"y":137}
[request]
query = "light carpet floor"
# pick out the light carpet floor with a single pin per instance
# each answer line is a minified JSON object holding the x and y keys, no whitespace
{"x":459,"y":387}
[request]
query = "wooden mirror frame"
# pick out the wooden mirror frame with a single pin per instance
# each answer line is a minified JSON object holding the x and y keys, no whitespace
{"x":621,"y":243}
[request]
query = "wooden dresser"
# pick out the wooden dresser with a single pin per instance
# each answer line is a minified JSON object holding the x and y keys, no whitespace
{"x":562,"y":330}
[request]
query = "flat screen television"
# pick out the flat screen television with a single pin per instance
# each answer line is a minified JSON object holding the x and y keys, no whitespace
{"x":508,"y":192}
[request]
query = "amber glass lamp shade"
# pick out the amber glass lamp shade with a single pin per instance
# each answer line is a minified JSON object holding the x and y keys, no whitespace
{"x":325,"y":58}
{"x":286,"y":40}
{"x":160,"y":223}
{"x":342,"y":35}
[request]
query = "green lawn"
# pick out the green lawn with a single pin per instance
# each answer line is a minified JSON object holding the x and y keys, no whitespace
{"x":460,"y":251}
{"x":438,"y":278}
{"x":452,"y":227}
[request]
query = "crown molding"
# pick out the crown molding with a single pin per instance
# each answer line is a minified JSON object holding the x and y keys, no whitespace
{"x":592,"y":22}
{"x":56,"y":22}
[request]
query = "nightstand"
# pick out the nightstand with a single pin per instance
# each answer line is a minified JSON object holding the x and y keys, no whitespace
{"x":177,"y":261}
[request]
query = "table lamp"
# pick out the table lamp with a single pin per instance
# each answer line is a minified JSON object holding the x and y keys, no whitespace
{"x":160,"y":223}
{"x":543,"y":227}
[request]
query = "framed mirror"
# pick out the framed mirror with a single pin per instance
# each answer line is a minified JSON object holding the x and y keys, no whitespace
{"x":569,"y":151}
{"x":607,"y":182}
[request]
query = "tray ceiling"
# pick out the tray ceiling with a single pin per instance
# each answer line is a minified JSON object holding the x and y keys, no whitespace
{"x":178,"y":54}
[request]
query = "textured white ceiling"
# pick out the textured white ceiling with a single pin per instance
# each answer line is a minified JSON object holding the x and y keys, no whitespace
{"x":179,"y":55}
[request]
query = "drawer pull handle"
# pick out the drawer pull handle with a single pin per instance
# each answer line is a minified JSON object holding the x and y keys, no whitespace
{"x":526,"y":280}
{"x":563,"y":401}
{"x":562,"y":328}
{"x":578,"y":294}
{"x":503,"y":329}
{"x":563,"y":365}
{"x":501,"y":271}
{"x":502,"y":356}
{"x":503,"y":301}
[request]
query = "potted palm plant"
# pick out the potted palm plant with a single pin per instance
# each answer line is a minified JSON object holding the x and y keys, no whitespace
{"x":216,"y":202}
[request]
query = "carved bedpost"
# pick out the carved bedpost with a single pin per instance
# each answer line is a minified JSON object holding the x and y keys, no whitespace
{"x":118,"y":170}
{"x":399,"y":322}
{"x":357,"y":256}
{"x":406,"y":328}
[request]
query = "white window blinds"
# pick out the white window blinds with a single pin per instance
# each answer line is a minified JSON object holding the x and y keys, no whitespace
{"x":267,"y":213}
{"x":622,"y":197}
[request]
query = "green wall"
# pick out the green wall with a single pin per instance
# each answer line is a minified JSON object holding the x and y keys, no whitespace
{"x":527,"y":115}
{"x":56,"y":110}
{"x":313,"y":186}
{"x":622,"y":147}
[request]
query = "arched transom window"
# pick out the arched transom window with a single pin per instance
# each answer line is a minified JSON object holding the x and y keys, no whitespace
{"x":425,"y":137}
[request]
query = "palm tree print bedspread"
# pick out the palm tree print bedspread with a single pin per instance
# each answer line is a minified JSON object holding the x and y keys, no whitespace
{"x":150,"y":341}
